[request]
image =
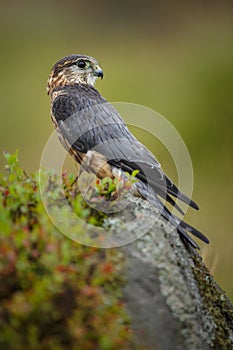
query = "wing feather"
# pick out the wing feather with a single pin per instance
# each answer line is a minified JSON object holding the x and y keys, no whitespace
{"x":89,"y":123}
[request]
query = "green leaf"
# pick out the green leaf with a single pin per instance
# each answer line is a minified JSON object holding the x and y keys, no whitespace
{"x":50,"y":282}
{"x":135,"y":172}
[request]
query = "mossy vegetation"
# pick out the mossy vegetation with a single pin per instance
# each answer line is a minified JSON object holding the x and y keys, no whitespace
{"x":54,"y":293}
{"x":216,"y":304}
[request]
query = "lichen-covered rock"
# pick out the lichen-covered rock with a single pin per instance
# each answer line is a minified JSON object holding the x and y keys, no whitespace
{"x":172,"y":299}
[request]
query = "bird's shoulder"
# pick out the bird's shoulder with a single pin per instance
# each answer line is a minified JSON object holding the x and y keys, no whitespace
{"x":70,"y":99}
{"x":82,"y":93}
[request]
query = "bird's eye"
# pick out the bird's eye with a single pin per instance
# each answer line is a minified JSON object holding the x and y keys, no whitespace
{"x":81,"y":64}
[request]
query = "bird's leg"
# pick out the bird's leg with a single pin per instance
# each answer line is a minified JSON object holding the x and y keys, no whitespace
{"x":97,"y":164}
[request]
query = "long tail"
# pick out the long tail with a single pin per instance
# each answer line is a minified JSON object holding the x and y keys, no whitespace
{"x":183,"y":228}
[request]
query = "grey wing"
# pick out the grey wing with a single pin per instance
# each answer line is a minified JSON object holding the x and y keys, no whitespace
{"x":89,"y":126}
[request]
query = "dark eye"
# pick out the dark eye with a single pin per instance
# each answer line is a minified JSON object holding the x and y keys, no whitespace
{"x":81,"y":64}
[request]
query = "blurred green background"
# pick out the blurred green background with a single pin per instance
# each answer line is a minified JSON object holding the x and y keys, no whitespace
{"x":174,"y":57}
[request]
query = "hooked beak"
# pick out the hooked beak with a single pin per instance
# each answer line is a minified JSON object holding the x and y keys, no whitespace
{"x":97,"y":72}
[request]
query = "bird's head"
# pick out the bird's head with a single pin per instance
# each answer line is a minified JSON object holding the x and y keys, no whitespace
{"x":74,"y":69}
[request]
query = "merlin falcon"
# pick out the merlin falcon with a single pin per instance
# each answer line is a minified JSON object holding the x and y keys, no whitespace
{"x":94,"y":133}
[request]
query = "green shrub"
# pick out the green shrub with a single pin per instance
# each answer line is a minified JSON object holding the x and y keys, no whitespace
{"x":55,"y":294}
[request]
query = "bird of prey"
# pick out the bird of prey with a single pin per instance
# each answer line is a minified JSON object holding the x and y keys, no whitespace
{"x":94,"y":133}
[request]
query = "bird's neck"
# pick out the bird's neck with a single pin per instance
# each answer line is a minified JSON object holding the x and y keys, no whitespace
{"x":62,"y":80}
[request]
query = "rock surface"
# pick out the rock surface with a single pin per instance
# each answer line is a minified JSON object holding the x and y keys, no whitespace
{"x":173,"y":301}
